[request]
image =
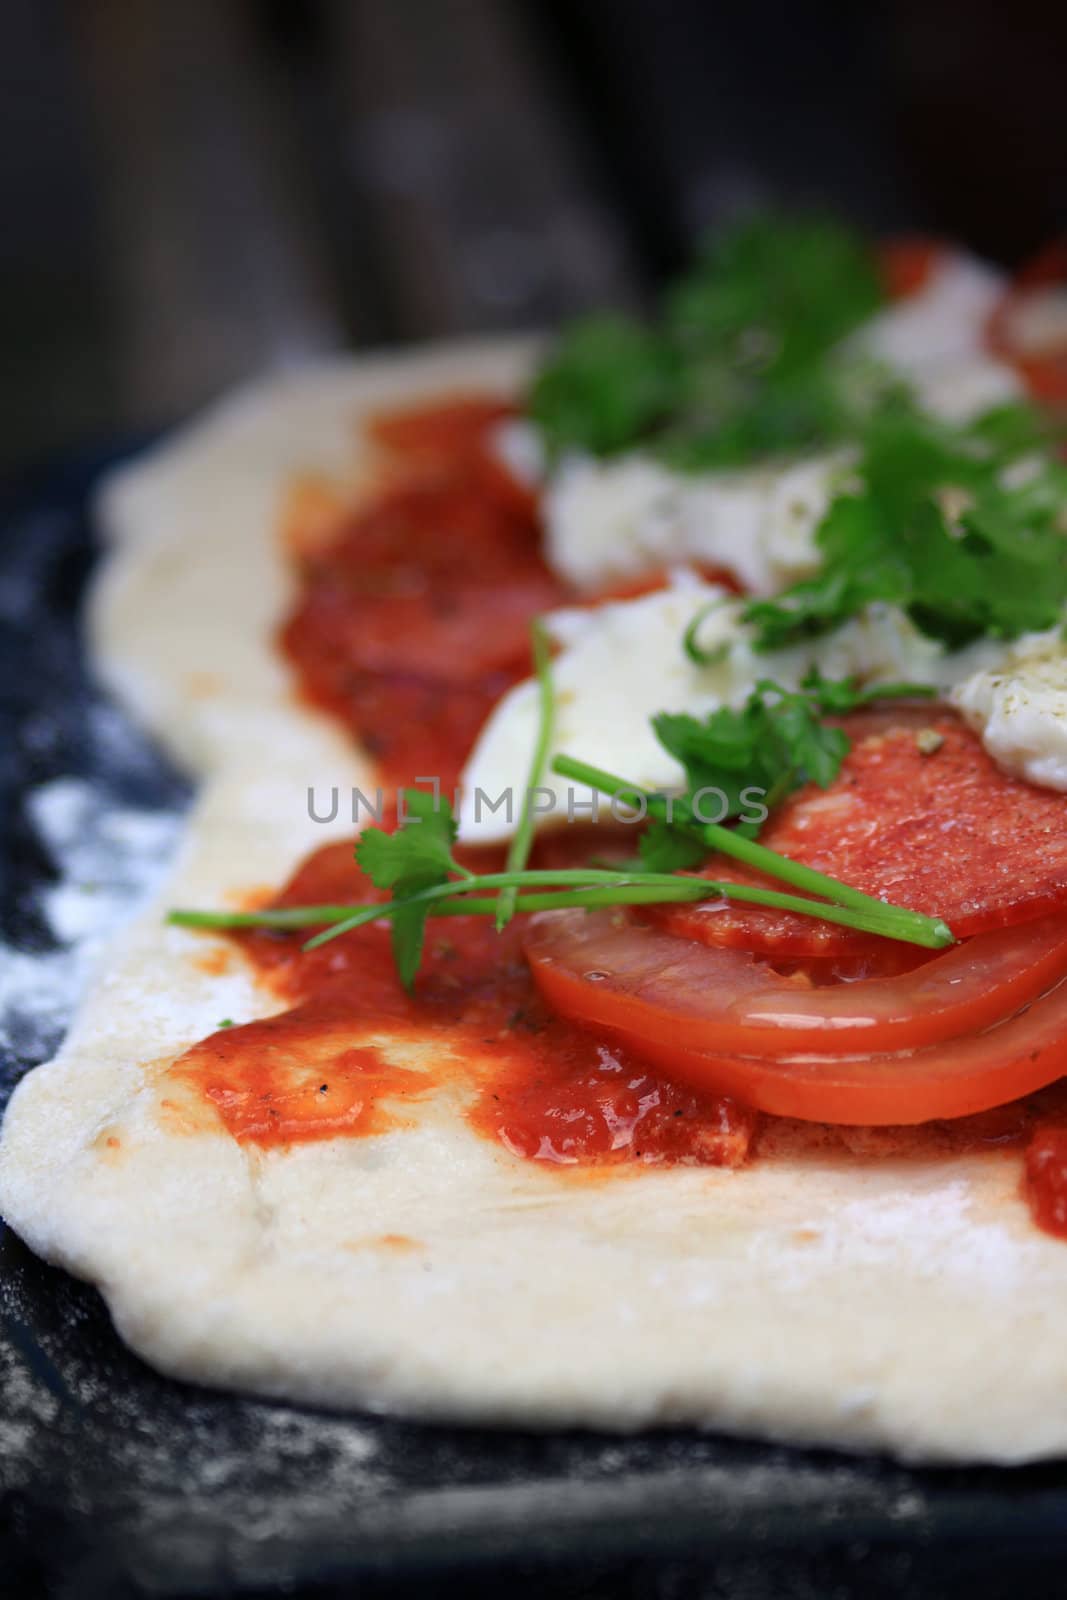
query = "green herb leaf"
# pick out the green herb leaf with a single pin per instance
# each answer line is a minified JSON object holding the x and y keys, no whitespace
{"x":775,"y":743}
{"x":960,"y":525}
{"x":757,"y":755}
{"x":421,"y":848}
{"x":836,"y":696}
{"x":663,"y":848}
{"x":417,"y":856}
{"x":609,"y":383}
{"x":744,"y":362}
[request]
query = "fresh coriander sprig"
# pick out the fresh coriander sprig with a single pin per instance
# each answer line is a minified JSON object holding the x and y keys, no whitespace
{"x":961,"y":525}
{"x":744,"y":360}
{"x":403,"y":860}
{"x":519,"y":850}
{"x":592,"y":887}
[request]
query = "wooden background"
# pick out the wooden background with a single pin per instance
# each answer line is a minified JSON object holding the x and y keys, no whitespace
{"x":192,"y":190}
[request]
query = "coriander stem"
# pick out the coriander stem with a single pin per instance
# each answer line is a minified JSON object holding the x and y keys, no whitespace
{"x":684,"y":889}
{"x":643,"y":889}
{"x":285,"y":917}
{"x":591,"y":886}
{"x":631,"y":894}
{"x":306,"y":916}
{"x":281,"y":917}
{"x":755,"y":855}
{"x":519,"y":849}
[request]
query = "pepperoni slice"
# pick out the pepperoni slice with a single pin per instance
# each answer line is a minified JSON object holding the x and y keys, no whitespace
{"x":946,"y":833}
{"x":413,"y":619}
{"x":444,"y":429}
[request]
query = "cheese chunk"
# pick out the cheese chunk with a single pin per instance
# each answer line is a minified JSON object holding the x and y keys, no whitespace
{"x":609,"y":521}
{"x":936,"y":341}
{"x":1019,"y":708}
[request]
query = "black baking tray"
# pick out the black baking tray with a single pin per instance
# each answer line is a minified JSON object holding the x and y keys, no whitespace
{"x":117,"y":1482}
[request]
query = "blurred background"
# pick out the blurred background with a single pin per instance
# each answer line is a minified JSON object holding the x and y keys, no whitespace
{"x":195,"y":190}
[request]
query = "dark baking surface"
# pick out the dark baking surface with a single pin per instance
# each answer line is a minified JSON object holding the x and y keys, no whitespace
{"x":116,"y":1482}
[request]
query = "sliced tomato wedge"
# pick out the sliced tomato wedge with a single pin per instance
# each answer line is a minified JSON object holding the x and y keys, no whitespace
{"x":727,"y":1023}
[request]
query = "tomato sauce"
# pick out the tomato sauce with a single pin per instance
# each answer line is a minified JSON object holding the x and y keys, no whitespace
{"x":412,"y":620}
{"x":294,"y":1077}
{"x":530,"y":1081}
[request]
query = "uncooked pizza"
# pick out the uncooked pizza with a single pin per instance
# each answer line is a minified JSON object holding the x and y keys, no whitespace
{"x":615,"y":971}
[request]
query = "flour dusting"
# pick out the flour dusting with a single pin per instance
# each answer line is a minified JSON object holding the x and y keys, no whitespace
{"x":108,"y":858}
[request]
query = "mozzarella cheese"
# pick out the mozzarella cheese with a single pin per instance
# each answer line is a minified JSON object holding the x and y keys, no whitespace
{"x":610,"y":521}
{"x":606,"y":522}
{"x":936,"y":341}
{"x":621,"y":663}
{"x":1019,"y":708}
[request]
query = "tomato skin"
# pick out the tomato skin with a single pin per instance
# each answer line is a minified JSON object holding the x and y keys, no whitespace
{"x":606,"y":970}
{"x":599,"y":975}
{"x":955,"y":1079}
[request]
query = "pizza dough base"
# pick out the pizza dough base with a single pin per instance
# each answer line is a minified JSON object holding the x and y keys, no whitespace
{"x":907,"y":1305}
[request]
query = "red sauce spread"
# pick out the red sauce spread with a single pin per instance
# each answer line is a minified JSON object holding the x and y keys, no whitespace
{"x":531,"y":1081}
{"x":412,"y":620}
{"x":294,"y":1077}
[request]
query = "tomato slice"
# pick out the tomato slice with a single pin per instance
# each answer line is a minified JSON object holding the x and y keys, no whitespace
{"x":605,"y":970}
{"x":724,"y":1022}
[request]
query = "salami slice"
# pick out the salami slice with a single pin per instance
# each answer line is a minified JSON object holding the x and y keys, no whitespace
{"x":921,"y":821}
